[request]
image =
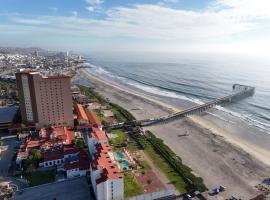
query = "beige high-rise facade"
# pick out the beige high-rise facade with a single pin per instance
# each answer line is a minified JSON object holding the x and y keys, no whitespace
{"x":44,"y":100}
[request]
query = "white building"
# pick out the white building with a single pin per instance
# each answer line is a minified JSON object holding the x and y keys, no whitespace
{"x":72,"y":160}
{"x":106,"y":177}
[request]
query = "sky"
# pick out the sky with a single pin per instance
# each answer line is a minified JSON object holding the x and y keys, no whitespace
{"x":232,"y":26}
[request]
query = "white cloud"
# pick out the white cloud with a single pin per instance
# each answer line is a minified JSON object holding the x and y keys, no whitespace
{"x":218,"y":23}
{"x":75,"y":13}
{"x":153,"y":21}
{"x":90,"y":8}
{"x":94,"y":5}
{"x":32,"y":22}
{"x":170,"y":1}
{"x":94,"y":2}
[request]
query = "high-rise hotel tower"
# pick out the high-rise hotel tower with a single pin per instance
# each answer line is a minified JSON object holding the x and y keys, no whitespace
{"x":44,"y":100}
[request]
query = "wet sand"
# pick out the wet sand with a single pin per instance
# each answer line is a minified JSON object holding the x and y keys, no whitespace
{"x":218,"y":156}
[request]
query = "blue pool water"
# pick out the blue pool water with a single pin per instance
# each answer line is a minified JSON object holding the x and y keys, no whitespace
{"x":119,"y":156}
{"x":124,"y":164}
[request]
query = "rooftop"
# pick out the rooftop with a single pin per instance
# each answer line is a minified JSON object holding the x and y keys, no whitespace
{"x":98,"y":134}
{"x":81,"y":112}
{"x":92,"y":117}
{"x":82,"y":162}
{"x":63,"y":133}
{"x":102,"y":160}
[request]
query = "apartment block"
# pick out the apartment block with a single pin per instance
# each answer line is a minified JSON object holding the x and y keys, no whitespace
{"x":44,"y":100}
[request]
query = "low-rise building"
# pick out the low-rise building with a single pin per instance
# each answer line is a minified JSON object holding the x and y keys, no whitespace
{"x":94,"y":106}
{"x":106,"y":176}
{"x":93,"y":119}
{"x":61,"y":133}
{"x":107,"y":113}
{"x":57,"y":150}
{"x":97,"y":136}
{"x":74,"y":161}
{"x":81,"y":114}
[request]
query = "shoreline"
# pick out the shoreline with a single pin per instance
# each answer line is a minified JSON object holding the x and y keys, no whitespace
{"x":256,"y":151}
{"x":160,"y":108}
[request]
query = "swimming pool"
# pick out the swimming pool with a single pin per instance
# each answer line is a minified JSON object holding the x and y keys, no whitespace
{"x":119,"y":156}
{"x":124,"y":164}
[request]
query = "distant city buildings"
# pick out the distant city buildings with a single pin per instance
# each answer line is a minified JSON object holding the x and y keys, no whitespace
{"x":36,"y":53}
{"x":44,"y":100}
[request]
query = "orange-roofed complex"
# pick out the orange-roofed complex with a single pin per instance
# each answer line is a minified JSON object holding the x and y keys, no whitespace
{"x":106,"y":176}
{"x":60,"y":133}
{"x":93,"y":119}
{"x":95,"y":137}
{"x":81,"y":114}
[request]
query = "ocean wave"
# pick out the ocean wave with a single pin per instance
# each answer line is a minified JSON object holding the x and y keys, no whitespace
{"x":187,"y":85}
{"x":259,"y":106}
{"x":147,"y":87}
{"x":171,"y":89}
{"x":188,"y":96}
{"x":263,"y":116}
{"x":248,"y":118}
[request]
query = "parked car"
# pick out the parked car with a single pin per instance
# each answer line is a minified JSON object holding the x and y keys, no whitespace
{"x":187,"y":197}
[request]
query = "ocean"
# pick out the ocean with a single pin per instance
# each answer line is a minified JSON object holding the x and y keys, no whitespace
{"x":197,"y":80}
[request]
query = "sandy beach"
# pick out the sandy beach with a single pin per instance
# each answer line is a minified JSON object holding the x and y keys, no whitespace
{"x":220,"y":157}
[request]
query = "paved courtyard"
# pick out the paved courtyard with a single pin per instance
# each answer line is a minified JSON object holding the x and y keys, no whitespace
{"x":75,"y":189}
{"x":150,"y":182}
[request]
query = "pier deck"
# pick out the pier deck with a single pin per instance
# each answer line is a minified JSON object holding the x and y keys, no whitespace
{"x":239,"y":92}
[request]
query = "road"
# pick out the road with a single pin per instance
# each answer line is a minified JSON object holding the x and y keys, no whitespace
{"x":74,"y":189}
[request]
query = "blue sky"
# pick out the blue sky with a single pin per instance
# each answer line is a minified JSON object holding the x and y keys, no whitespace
{"x":240,"y":26}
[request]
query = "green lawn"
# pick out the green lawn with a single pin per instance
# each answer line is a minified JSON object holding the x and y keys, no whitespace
{"x":132,"y":147}
{"x":131,"y":186}
{"x":101,"y":117}
{"x":121,"y":136}
{"x":173,"y":176}
{"x":118,"y":115}
{"x":40,"y":177}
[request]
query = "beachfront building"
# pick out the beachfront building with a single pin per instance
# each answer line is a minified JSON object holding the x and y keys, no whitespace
{"x":107,"y":179}
{"x":106,"y":176}
{"x":44,"y":100}
{"x":97,"y":136}
{"x":81,"y":114}
{"x":93,"y":119}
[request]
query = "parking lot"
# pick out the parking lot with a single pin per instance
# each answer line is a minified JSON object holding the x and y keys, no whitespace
{"x":6,"y":156}
{"x":74,"y":189}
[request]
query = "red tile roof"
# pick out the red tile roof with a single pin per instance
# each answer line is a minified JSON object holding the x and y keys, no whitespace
{"x":99,"y":134}
{"x":81,"y":112}
{"x":92,"y":117}
{"x":70,"y":150}
{"x":52,"y":156}
{"x":33,"y":144}
{"x":59,"y":153}
{"x":63,"y":133}
{"x":103,"y":161}
{"x":23,"y":154}
{"x":83,"y":162}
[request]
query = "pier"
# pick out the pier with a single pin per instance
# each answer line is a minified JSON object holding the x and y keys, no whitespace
{"x":239,"y":92}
